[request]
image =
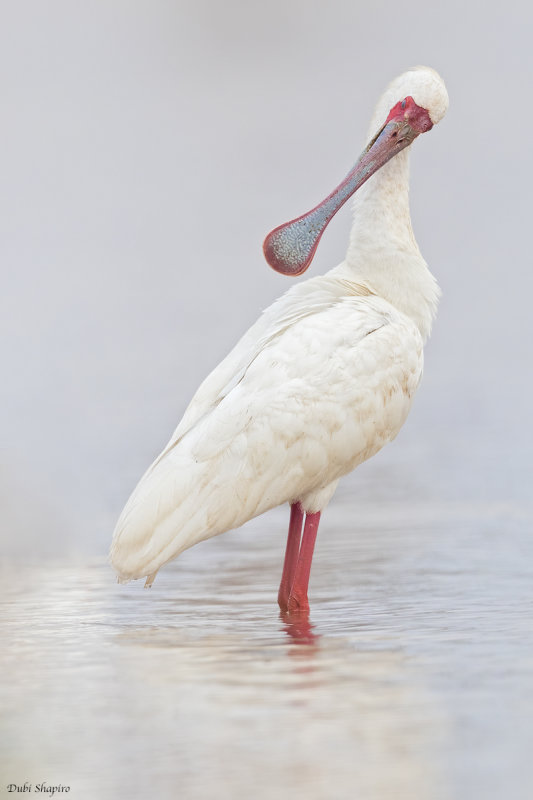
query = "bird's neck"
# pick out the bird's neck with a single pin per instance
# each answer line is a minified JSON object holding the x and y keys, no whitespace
{"x":383,"y":253}
{"x":381,"y":207}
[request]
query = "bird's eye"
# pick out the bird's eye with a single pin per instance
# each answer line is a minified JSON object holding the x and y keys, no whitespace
{"x":403,"y":104}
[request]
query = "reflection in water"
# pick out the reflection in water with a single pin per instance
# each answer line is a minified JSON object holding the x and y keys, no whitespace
{"x":297,"y":624}
{"x":413,"y":679}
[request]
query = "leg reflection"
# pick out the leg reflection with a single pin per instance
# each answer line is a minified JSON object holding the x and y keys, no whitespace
{"x":298,"y":626}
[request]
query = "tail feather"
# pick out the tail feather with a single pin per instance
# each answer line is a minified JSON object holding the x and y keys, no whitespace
{"x":159,"y":520}
{"x":177,"y":503}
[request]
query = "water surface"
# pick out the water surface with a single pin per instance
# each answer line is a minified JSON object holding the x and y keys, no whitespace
{"x":413,"y":677}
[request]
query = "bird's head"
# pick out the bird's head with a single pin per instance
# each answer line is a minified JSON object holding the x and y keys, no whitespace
{"x":412,"y":104}
{"x":417,"y":98}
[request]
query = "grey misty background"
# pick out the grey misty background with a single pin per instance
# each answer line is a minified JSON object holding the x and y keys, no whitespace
{"x":147,"y":148}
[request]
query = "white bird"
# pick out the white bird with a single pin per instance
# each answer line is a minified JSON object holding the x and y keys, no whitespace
{"x":318,"y":384}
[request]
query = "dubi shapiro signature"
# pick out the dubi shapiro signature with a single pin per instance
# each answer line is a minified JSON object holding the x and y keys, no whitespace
{"x":39,"y":787}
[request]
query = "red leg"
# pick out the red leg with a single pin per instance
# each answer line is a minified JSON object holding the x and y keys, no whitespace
{"x":291,"y":555}
{"x":298,"y":596}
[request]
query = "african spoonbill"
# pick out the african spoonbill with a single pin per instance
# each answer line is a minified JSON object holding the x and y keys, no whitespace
{"x":318,"y":384}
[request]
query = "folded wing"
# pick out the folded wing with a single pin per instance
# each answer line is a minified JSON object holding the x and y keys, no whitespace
{"x":320,"y":383}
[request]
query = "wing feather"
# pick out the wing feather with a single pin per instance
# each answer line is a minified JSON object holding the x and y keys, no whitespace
{"x":316,"y":386}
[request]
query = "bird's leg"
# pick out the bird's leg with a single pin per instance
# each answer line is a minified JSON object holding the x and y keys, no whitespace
{"x":291,"y":555}
{"x":298,"y":595}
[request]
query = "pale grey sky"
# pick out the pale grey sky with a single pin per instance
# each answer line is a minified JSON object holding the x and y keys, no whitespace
{"x":148,"y":147}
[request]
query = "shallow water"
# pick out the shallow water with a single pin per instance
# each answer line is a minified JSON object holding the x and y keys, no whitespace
{"x":413,"y":677}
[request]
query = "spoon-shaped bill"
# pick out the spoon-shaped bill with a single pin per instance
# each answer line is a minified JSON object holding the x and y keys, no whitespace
{"x":290,"y":248}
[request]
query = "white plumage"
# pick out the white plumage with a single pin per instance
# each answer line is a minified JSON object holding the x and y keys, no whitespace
{"x":320,"y":383}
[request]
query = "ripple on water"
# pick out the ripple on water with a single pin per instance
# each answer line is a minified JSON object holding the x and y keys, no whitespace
{"x":411,"y":678}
